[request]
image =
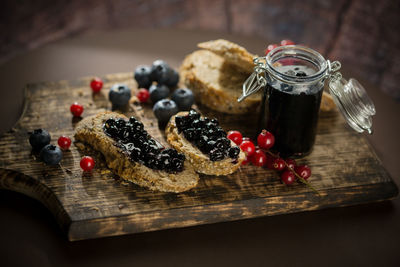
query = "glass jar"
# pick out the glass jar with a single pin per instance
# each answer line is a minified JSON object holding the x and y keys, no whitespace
{"x":293,"y":79}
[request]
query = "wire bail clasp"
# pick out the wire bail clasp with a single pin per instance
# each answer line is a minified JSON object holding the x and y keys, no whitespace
{"x":256,"y":80}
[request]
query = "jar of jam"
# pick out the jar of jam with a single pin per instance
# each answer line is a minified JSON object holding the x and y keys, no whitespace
{"x":293,"y":79}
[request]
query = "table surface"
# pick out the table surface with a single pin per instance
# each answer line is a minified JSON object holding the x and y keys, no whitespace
{"x":29,"y":236}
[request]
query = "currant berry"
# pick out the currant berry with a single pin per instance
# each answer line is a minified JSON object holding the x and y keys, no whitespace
{"x":143,"y":95}
{"x":96,"y":84}
{"x":288,"y":177}
{"x":265,"y":139}
{"x":64,"y":142}
{"x":259,"y":158}
{"x":270,"y":161}
{"x":278,"y":164}
{"x":87,"y":163}
{"x":304,"y":171}
{"x":287,"y":42}
{"x":269,"y":48}
{"x":235,"y":136}
{"x":248,"y":148}
{"x":291,"y":163}
{"x":76,"y":109}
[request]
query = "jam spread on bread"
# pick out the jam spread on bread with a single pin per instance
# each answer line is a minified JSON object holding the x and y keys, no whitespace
{"x":131,"y":137}
{"x":207,"y":135}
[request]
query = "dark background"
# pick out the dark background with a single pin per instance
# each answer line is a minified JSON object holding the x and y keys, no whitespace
{"x":363,"y":34}
{"x":54,"y":40}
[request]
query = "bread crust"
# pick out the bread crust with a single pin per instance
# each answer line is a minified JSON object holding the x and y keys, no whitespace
{"x":327,"y":103}
{"x":217,"y":84}
{"x":232,"y":53}
{"x":90,"y":131}
{"x":200,"y":161}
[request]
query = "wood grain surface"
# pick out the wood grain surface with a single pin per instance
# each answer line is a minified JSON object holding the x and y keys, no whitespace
{"x":346,"y":171}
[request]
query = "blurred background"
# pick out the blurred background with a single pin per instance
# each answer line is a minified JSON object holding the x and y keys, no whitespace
{"x":363,"y":35}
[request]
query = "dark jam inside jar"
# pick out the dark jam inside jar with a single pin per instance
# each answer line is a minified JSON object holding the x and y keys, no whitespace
{"x":292,"y":112}
{"x":139,"y":146}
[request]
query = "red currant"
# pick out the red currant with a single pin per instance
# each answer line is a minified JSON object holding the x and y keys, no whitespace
{"x":269,"y":48}
{"x":76,"y":109}
{"x":304,"y":171}
{"x":288,"y":177}
{"x":248,"y":148}
{"x":143,"y":95}
{"x":265,"y":139}
{"x":259,"y":158}
{"x":291,"y":163}
{"x":278,"y":164}
{"x":270,"y":161}
{"x":287,"y":42}
{"x":235,"y":136}
{"x":87,"y":163}
{"x":96,"y":84}
{"x":64,"y":142}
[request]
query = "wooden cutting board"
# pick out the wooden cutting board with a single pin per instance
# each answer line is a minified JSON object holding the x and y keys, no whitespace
{"x":345,"y":169}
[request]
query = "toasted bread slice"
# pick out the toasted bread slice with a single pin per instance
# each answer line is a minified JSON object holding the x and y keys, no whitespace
{"x":216,"y":83}
{"x":200,"y":161}
{"x":90,"y":131}
{"x":232,"y":53}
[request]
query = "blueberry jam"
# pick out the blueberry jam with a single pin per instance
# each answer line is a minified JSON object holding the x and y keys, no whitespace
{"x":207,"y":135}
{"x":292,"y":113}
{"x":138,"y":144}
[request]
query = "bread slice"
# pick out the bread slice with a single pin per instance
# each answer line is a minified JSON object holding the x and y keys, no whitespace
{"x":232,"y":53}
{"x":327,"y":103}
{"x":90,"y":131}
{"x":216,"y":83}
{"x":200,"y":161}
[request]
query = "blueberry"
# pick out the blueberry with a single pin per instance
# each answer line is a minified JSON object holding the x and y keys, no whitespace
{"x":216,"y":154}
{"x":143,"y":76}
{"x":198,"y":123}
{"x":136,"y":154}
{"x":159,"y":71}
{"x":210,"y":145}
{"x":170,"y":151}
{"x":119,"y":95}
{"x":173,"y":79}
{"x":165,"y":76}
{"x":301,"y":74}
{"x":223,"y":143}
{"x":51,"y":154}
{"x":158,"y":92}
{"x":177,"y":164}
{"x":165,"y":160}
{"x":39,"y":138}
{"x":164,"y":109}
{"x":190,"y":134}
{"x":182,"y":122}
{"x":184,"y":98}
{"x":233,"y":152}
